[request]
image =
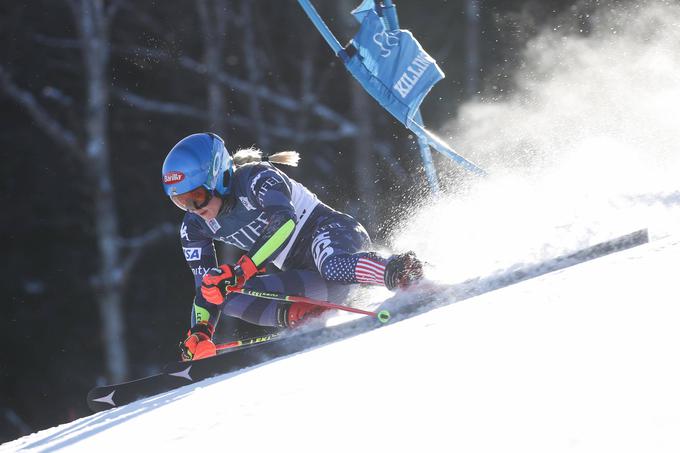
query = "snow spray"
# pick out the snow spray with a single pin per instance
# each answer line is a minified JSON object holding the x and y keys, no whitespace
{"x":584,"y":147}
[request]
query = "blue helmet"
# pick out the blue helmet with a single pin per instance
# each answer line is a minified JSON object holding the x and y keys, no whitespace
{"x":198,"y":160}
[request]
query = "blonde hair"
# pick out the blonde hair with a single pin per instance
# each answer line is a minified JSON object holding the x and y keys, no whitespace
{"x":249,"y":155}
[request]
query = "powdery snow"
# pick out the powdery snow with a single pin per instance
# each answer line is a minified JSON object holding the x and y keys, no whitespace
{"x":584,"y":359}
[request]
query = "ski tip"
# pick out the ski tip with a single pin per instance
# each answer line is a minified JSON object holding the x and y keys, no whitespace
{"x":101,"y":398}
{"x":383,"y":316}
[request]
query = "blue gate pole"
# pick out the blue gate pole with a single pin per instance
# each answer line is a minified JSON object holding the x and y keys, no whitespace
{"x":392,"y":22}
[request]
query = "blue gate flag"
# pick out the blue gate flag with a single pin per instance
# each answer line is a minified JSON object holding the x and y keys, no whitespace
{"x":391,"y":66}
{"x":360,"y":11}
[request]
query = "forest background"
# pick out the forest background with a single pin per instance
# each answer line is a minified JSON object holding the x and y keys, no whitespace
{"x":94,"y":93}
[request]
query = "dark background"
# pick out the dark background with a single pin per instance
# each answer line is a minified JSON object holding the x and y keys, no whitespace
{"x":83,"y":225}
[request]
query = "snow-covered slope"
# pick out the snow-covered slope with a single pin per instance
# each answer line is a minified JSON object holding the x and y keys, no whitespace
{"x":584,"y":359}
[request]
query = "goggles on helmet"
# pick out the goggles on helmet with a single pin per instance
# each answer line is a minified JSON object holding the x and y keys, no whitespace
{"x":193,"y":200}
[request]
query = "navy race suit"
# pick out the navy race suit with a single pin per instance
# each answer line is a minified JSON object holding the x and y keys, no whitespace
{"x":277,"y":220}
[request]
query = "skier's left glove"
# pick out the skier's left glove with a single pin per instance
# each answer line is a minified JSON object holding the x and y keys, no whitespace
{"x":217,"y":281}
{"x":198,"y":343}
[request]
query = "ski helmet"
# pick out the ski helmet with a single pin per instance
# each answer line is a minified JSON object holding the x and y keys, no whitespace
{"x":198,"y":160}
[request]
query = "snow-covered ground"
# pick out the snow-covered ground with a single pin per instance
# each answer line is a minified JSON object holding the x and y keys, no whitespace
{"x":585,"y":359}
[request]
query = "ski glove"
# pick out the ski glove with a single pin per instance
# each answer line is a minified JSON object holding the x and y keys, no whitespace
{"x":403,"y":271}
{"x":247,"y":267}
{"x":198,"y":343}
{"x":217,"y":281}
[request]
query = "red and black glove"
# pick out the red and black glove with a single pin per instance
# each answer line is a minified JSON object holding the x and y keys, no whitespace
{"x":198,"y":343}
{"x":247,"y":267}
{"x":216,"y":281}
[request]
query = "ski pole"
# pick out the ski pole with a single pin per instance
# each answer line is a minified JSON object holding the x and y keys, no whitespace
{"x":246,"y":341}
{"x":383,"y":315}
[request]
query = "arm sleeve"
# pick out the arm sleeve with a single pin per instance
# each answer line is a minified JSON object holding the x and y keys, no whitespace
{"x":270,"y":190}
{"x":199,"y":252}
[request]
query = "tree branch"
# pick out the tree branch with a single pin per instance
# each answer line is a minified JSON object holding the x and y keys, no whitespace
{"x":346,"y":128}
{"x":279,"y":100}
{"x":61,"y":43}
{"x":152,"y":105}
{"x":137,"y":244}
{"x":37,"y":112}
{"x":174,"y":108}
{"x":154,"y":234}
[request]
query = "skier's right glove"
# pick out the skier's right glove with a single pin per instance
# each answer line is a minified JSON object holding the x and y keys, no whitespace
{"x":216,"y":282}
{"x":198,"y":343}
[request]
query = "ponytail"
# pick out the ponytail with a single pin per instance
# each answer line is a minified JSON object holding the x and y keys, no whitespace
{"x":249,"y":155}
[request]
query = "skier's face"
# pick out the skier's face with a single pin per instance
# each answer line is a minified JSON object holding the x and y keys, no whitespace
{"x":200,"y":201}
{"x":210,"y":210}
{"x":192,"y":200}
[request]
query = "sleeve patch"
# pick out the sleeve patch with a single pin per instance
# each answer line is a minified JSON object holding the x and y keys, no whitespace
{"x":192,"y":253}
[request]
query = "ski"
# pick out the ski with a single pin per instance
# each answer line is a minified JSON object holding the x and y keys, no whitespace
{"x":109,"y":396}
{"x":242,"y":354}
{"x":178,"y":374}
{"x":175,"y":375}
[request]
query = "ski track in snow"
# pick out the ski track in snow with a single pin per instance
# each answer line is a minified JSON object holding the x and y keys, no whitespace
{"x":583,"y":359}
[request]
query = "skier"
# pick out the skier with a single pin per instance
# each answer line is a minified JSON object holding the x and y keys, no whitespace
{"x":247,"y":202}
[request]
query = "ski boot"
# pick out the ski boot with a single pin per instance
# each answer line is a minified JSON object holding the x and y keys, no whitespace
{"x":298,"y":313}
{"x":403,"y":270}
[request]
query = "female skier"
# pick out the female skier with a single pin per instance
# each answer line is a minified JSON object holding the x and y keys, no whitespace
{"x":247,"y":202}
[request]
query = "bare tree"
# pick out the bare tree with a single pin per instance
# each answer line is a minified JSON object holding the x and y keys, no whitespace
{"x":213,"y":17}
{"x":254,"y":72}
{"x":93,"y":21}
{"x":116,"y":255}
